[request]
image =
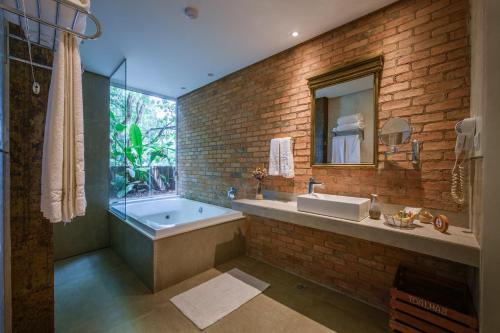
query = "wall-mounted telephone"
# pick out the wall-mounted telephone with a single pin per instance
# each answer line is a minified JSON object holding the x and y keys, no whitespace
{"x":466,"y":131}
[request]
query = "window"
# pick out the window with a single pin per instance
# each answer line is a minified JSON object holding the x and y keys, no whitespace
{"x":142,"y":144}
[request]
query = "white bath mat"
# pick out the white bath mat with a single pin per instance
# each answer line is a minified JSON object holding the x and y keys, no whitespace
{"x":213,"y":300}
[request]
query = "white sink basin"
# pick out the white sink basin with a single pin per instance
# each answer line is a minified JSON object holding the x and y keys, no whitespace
{"x":350,"y":208}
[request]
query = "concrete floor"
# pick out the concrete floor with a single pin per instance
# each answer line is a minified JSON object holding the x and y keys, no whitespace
{"x":97,"y":292}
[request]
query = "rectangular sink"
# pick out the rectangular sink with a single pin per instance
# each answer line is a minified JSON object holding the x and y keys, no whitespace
{"x":350,"y":208}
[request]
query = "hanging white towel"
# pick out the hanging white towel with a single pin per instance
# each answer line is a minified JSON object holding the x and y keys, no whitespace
{"x":281,"y":158}
{"x":338,"y":149}
{"x":63,"y":174}
{"x":274,"y":158}
{"x":352,"y":149}
{"x":286,"y":158}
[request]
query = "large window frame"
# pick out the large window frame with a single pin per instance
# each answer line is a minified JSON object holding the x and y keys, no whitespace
{"x":150,"y":196}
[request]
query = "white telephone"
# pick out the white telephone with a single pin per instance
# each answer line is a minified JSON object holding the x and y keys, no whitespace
{"x":466,"y":130}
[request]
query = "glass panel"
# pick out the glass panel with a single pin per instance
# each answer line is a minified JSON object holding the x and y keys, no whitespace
{"x":118,"y":139}
{"x":151,"y":157}
{"x":142,"y":157}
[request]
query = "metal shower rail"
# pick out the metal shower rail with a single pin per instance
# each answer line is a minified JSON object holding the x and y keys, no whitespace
{"x":78,"y":11}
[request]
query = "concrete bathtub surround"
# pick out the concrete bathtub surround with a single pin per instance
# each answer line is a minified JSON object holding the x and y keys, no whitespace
{"x":162,"y":262}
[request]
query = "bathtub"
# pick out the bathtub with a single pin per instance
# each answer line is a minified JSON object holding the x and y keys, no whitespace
{"x":164,"y":217}
{"x":167,"y":240}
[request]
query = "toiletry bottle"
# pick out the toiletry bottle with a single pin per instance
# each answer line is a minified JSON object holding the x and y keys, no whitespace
{"x":374,"y":211}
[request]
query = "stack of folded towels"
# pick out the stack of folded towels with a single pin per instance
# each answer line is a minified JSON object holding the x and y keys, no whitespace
{"x":346,"y":149}
{"x":350,"y":123}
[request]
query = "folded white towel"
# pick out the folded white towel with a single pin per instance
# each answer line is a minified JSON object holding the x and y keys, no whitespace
{"x":338,"y":149}
{"x":350,"y":119}
{"x":274,"y":158}
{"x":350,"y":127}
{"x":286,"y":158}
{"x":352,"y":149}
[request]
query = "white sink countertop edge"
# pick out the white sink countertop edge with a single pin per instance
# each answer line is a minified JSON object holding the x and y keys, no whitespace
{"x":457,"y":245}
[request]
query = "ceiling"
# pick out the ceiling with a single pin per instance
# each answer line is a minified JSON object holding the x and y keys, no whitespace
{"x":165,"y":50}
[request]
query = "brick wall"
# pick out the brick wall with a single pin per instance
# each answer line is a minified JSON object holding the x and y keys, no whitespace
{"x":225,"y":127}
{"x":353,"y":266}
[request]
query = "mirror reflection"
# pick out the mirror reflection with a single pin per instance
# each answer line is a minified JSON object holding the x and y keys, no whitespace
{"x":344,"y":126}
{"x":395,"y":132}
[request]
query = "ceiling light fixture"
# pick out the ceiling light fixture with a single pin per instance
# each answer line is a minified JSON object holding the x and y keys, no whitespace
{"x":295,"y":34}
{"x":191,"y":12}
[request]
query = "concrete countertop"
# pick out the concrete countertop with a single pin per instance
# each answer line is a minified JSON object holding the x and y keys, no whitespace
{"x":458,"y":244}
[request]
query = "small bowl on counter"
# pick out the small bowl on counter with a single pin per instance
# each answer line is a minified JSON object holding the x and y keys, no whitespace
{"x":400,"y":220}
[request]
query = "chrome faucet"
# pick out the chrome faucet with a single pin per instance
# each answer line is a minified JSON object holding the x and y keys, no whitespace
{"x":231,"y":193}
{"x":310,"y":185}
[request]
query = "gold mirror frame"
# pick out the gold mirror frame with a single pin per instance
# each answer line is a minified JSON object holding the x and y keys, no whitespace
{"x":347,"y":72}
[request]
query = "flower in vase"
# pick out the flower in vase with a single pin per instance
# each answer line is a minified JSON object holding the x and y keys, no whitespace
{"x":259,"y":174}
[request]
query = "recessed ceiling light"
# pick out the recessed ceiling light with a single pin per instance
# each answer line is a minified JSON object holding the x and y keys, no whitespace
{"x":191,"y":12}
{"x":295,"y":34}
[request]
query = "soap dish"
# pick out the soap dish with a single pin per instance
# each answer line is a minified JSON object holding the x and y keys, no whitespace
{"x":400,"y":222}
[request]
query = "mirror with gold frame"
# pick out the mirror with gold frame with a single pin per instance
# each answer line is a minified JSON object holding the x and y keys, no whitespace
{"x":344,"y":102}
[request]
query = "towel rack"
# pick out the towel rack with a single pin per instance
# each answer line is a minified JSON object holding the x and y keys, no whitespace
{"x":78,"y":10}
{"x":360,"y":132}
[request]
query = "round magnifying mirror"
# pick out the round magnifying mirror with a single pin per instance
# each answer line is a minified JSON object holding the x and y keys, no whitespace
{"x":395,"y":132}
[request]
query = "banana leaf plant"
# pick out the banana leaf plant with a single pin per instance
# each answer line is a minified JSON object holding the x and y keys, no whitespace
{"x":134,"y":150}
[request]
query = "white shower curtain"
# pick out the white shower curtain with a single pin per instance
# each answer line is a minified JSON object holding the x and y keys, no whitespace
{"x":63,"y":173}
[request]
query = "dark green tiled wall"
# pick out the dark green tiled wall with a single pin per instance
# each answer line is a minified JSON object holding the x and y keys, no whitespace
{"x":90,"y":232}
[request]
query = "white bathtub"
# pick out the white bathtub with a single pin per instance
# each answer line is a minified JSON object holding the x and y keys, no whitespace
{"x":163,"y":217}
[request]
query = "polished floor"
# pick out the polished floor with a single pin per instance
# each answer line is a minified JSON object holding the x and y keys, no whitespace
{"x":97,"y":292}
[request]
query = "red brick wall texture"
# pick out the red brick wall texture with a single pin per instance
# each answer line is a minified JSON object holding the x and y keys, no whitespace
{"x":225,"y":127}
{"x":356,"y":267}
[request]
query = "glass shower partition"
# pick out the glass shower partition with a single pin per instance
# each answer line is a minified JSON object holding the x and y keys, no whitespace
{"x":118,"y":132}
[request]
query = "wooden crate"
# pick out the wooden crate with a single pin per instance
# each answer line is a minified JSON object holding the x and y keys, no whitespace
{"x":421,"y":303}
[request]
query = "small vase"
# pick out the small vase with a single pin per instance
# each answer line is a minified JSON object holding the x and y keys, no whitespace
{"x":258,"y":192}
{"x":374,"y":211}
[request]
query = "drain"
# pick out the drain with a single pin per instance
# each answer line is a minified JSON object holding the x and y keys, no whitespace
{"x":167,"y":217}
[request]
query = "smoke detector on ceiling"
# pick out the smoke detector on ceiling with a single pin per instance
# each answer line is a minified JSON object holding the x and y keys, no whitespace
{"x":191,"y":12}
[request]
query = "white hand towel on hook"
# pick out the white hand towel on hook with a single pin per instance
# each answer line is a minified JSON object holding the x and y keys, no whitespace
{"x":286,"y":158}
{"x":274,"y":158}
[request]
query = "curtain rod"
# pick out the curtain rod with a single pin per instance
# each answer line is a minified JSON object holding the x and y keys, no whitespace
{"x":78,"y":10}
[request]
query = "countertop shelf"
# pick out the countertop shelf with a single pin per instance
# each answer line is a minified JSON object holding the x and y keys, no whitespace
{"x":458,"y":244}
